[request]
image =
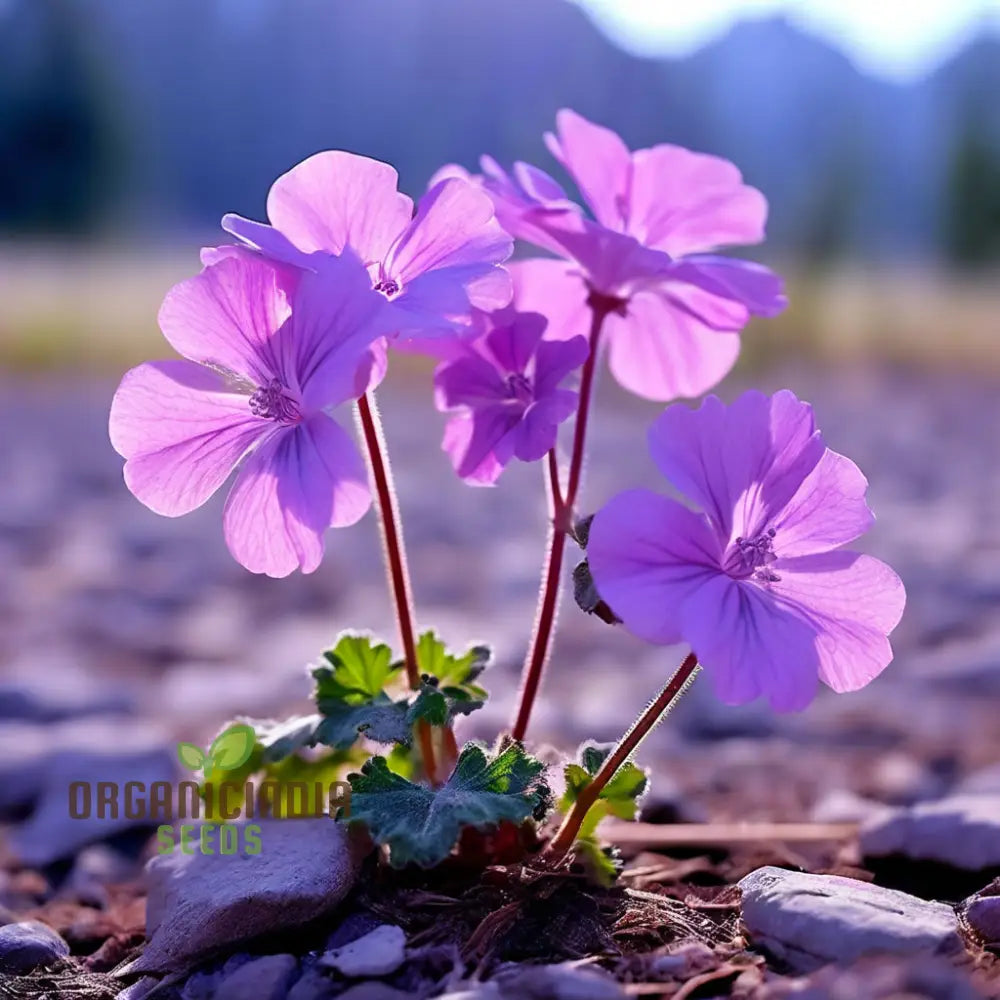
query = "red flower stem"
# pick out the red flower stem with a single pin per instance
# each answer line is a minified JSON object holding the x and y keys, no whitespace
{"x":640,"y":729}
{"x":561,"y":511}
{"x":395,"y":553}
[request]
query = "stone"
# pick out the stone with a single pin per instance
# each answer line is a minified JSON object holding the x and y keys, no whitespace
{"x":29,"y":945}
{"x":983,"y":782}
{"x":377,"y":953}
{"x":199,"y":903}
{"x":51,"y":833}
{"x":841,"y":805}
{"x":563,"y":981}
{"x":982,"y":914}
{"x":810,"y":920}
{"x":313,"y":985}
{"x":264,"y":978}
{"x":962,"y":831}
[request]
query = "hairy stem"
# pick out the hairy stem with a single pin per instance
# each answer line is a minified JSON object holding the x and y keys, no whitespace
{"x":392,"y":540}
{"x":640,"y":729}
{"x":561,"y":509}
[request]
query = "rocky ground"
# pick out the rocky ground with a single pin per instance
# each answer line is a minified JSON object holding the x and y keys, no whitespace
{"x":122,"y":633}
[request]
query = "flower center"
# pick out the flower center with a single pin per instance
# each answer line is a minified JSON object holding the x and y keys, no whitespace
{"x":389,"y":287}
{"x":519,"y":388}
{"x":273,"y":402}
{"x":756,"y":555}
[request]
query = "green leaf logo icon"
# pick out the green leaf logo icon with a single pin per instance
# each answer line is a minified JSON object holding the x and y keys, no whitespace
{"x":232,"y":747}
{"x":190,"y":756}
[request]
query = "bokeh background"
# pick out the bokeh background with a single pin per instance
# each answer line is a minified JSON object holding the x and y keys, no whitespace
{"x":128,"y":128}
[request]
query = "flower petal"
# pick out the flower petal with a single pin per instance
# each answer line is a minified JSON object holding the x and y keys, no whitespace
{"x":751,"y":645}
{"x":555,"y":360}
{"x":301,"y":481}
{"x":659,"y":350}
{"x":336,"y":318}
{"x":468,"y":381}
{"x":514,"y":339}
{"x":180,"y":432}
{"x":648,"y":554}
{"x":227,"y":316}
{"x":337,"y":199}
{"x":827,"y":510}
{"x":259,"y":236}
{"x":755,"y":286}
{"x":740,"y":463}
{"x":598,"y":160}
{"x":556,"y":289}
{"x":479,"y":442}
{"x":538,"y":429}
{"x":854,"y":601}
{"x":682,"y":202}
{"x":448,"y":256}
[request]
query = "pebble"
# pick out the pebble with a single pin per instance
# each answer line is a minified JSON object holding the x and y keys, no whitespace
{"x":29,"y":945}
{"x":198,"y":903}
{"x":810,"y":920}
{"x":378,"y":953}
{"x":264,"y":978}
{"x":961,"y":830}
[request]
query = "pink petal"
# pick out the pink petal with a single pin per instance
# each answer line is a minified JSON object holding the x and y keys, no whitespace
{"x":750,"y":645}
{"x":180,"y":432}
{"x":555,"y":289}
{"x":827,"y":510}
{"x":682,"y":202}
{"x":740,"y":463}
{"x":479,"y":443}
{"x":853,"y":602}
{"x":555,"y":360}
{"x":512,"y":342}
{"x":468,"y":381}
{"x":337,"y":317}
{"x":301,"y":481}
{"x":756,"y":287}
{"x":599,"y":162}
{"x":648,"y":554}
{"x":228,"y":314}
{"x":448,"y":256}
{"x":661,"y":351}
{"x":337,"y":199}
{"x":258,"y":236}
{"x":539,"y":427}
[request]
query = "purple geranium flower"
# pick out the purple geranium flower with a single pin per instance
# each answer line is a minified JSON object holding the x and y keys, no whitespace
{"x":680,"y":309}
{"x":433,"y":266}
{"x":756,"y":583}
{"x":503,"y":387}
{"x":270,"y":349}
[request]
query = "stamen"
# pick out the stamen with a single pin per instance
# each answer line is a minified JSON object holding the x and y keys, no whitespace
{"x":518,"y":387}
{"x":272,"y":402}
{"x":388,"y":287}
{"x":756,"y":554}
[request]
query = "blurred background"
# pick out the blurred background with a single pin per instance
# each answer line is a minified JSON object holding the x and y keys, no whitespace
{"x":128,"y":128}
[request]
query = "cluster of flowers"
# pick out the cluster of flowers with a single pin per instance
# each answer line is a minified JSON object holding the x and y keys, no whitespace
{"x":297,"y":317}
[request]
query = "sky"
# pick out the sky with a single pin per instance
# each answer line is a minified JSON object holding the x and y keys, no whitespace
{"x":897,"y":39}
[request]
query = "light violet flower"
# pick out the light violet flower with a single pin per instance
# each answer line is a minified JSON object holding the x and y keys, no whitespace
{"x":755,"y":583}
{"x":269,"y":349}
{"x":656,"y":214}
{"x":504,"y":390}
{"x":433,"y":266}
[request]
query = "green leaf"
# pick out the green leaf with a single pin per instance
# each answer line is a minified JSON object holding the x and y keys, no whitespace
{"x":449,"y":687}
{"x":191,"y":756}
{"x":381,"y":720}
{"x":282,"y":739}
{"x":620,"y":796}
{"x":421,"y":825}
{"x":358,"y":671}
{"x":232,"y":747}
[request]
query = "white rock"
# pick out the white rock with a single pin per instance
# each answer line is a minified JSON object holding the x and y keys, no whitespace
{"x":810,"y":920}
{"x":26,"y":946}
{"x":378,"y":953}
{"x":962,"y":831}
{"x":198,"y":903}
